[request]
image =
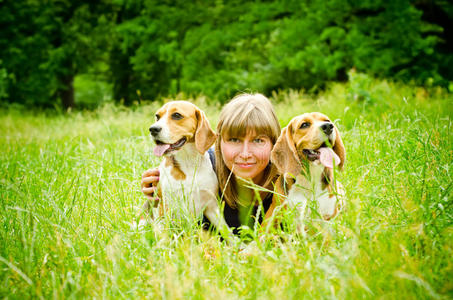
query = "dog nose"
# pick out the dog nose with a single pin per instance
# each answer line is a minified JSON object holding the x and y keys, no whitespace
{"x":327,"y":128}
{"x":154,"y":130}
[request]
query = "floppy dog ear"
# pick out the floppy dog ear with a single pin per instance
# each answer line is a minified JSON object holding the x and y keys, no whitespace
{"x":338,"y":148}
{"x":284,"y":154}
{"x":204,"y":135}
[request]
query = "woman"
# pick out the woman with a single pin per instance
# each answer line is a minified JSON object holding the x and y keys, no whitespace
{"x":247,"y":130}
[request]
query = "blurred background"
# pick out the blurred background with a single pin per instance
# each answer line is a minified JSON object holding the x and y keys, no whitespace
{"x":80,"y":54}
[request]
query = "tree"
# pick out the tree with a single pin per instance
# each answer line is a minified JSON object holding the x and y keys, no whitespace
{"x":44,"y":45}
{"x":156,"y":48}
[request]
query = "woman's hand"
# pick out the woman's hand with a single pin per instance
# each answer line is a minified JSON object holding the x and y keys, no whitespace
{"x":150,"y":178}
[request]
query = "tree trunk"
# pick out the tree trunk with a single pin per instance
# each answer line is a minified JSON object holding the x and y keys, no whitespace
{"x":67,"y":92}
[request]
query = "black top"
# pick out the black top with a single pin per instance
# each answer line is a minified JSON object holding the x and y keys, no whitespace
{"x":230,"y":214}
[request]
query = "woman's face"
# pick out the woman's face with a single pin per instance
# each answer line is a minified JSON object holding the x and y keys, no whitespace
{"x":247,"y":156}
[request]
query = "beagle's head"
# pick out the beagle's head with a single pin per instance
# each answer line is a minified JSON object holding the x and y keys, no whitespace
{"x":311,"y":137}
{"x":178,"y":123}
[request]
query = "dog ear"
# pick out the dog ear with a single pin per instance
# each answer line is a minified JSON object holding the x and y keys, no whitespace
{"x":204,"y":135}
{"x":284,"y":154}
{"x":338,"y":148}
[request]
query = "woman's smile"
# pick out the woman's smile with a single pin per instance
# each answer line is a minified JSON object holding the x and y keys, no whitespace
{"x":245,"y":165}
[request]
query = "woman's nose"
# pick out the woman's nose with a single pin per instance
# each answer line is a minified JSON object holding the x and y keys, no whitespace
{"x":245,"y":150}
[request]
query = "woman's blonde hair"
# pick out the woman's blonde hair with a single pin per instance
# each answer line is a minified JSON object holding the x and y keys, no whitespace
{"x":245,"y":112}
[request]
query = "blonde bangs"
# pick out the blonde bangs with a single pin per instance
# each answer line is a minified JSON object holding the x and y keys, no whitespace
{"x":249,"y":116}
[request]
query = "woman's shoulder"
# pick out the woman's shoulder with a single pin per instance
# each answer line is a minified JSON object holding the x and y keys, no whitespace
{"x":212,"y":156}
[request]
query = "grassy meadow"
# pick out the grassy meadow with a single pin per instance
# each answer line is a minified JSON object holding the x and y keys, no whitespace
{"x":69,"y":188}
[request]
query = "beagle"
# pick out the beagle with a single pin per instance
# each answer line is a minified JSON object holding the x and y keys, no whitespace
{"x":187,"y":181}
{"x":305,"y":154}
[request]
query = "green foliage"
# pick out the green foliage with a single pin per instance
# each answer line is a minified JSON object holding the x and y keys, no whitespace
{"x":221,"y":48}
{"x":69,"y":188}
{"x":21,"y":53}
{"x":43,"y":46}
{"x":4,"y":82}
{"x":91,"y":92}
{"x":218,"y":48}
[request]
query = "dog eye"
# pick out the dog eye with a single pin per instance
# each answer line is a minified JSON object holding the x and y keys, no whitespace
{"x":157,"y":117}
{"x":176,"y":116}
{"x":304,"y":125}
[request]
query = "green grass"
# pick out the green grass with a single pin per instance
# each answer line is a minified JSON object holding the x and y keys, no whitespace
{"x":69,"y":186}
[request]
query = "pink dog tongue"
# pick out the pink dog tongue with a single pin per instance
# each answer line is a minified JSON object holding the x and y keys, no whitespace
{"x":160,"y":149}
{"x":327,"y":156}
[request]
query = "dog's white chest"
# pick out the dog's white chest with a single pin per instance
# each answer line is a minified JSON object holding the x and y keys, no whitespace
{"x":192,"y":194}
{"x":309,"y":190}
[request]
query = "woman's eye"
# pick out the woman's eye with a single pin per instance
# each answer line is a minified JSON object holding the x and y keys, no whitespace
{"x":176,"y":116}
{"x":233,"y":140}
{"x":258,"y":141}
{"x":304,"y":125}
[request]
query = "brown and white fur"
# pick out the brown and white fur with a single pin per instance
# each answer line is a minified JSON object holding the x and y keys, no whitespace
{"x":187,"y":180}
{"x":305,"y":176}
